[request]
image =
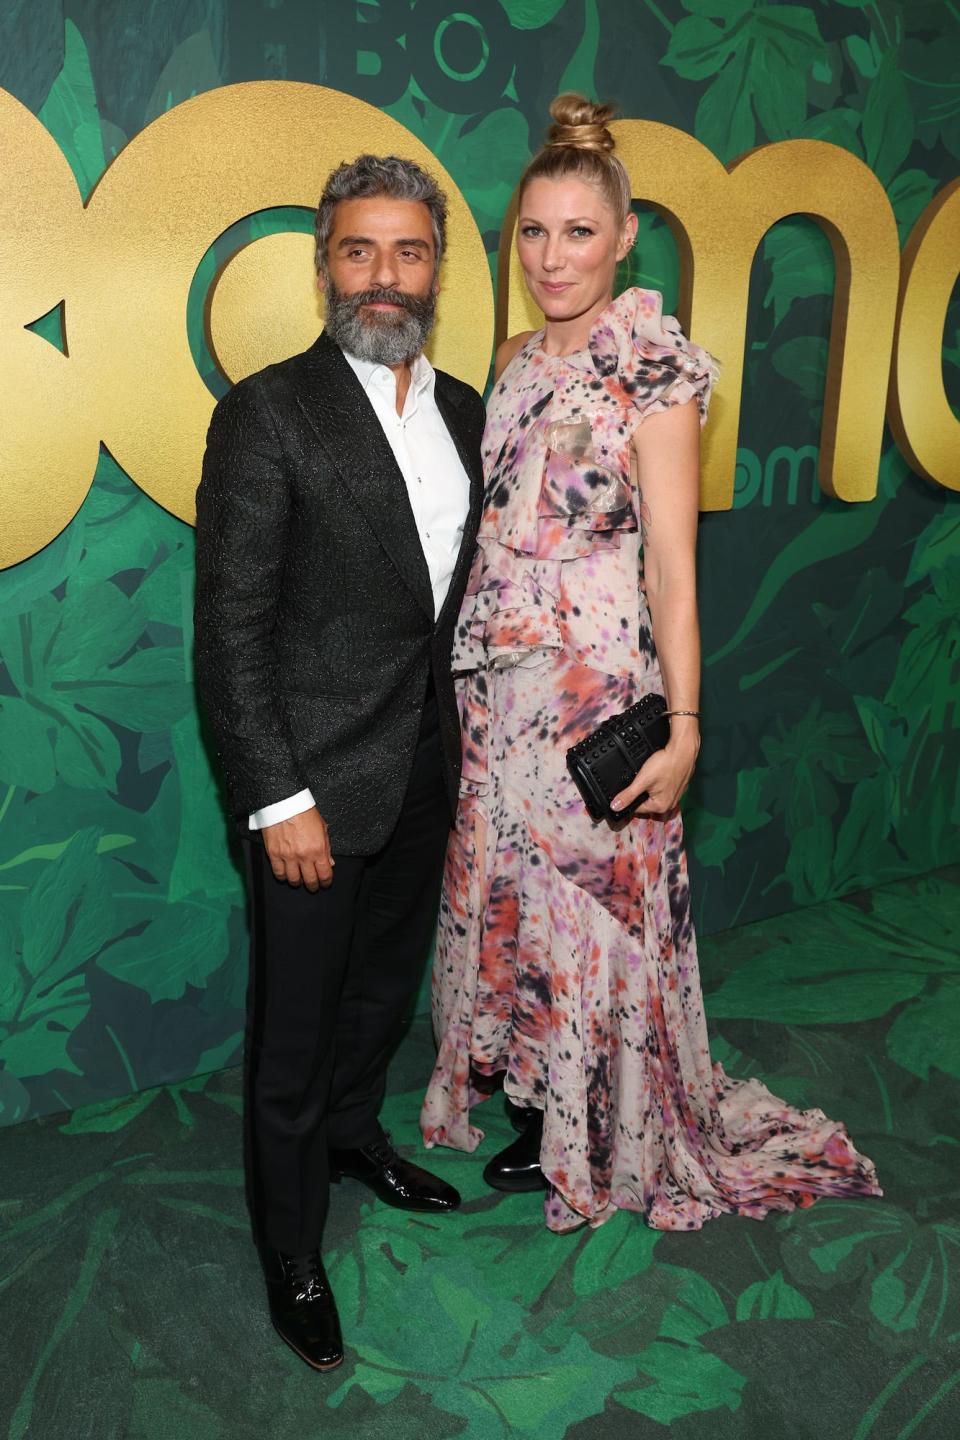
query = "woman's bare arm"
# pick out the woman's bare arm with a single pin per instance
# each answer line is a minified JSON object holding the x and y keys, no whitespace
{"x":667,"y":447}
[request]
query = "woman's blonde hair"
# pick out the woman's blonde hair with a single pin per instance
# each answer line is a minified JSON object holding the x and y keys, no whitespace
{"x":579,"y":143}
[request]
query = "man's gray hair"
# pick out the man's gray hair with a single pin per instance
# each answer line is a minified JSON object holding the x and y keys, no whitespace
{"x":371,"y":175}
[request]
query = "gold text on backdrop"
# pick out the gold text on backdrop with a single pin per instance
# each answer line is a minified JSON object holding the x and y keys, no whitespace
{"x":123,"y":266}
{"x":718,"y":217}
{"x":921,"y":419}
{"x":123,"y":269}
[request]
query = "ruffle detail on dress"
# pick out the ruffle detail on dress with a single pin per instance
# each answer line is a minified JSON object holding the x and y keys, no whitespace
{"x":557,"y":499}
{"x":578,"y":486}
{"x":559,"y":483}
{"x":508,"y":616}
{"x":645,"y":360}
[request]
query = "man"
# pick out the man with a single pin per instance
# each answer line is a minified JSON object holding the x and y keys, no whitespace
{"x":336,"y":520}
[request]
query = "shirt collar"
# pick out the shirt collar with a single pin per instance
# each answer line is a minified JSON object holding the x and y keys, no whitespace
{"x":422,"y":373}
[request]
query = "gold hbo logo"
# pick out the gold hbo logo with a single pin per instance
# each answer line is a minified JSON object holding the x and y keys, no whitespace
{"x":122,"y":268}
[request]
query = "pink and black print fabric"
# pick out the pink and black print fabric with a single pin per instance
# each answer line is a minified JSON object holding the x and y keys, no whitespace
{"x":566,"y":953}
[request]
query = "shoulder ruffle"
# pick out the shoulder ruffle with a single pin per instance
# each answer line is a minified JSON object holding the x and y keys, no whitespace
{"x":646,"y":357}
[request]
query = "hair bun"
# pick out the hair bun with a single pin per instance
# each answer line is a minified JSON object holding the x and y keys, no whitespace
{"x":580,"y":123}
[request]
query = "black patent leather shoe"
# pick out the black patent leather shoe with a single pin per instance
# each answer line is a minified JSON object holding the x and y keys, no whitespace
{"x":517,"y":1168}
{"x":394,"y":1180}
{"x":302,"y":1307}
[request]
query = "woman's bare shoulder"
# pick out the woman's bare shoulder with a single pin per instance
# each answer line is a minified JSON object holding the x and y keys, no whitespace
{"x":507,"y":350}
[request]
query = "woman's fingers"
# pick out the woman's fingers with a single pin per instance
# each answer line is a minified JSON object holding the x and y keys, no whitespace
{"x":643,"y":782}
{"x":657,"y":803}
{"x":661,"y":781}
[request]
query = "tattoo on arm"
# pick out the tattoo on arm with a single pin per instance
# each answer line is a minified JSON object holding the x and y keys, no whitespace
{"x":644,"y":512}
{"x":643,"y":509}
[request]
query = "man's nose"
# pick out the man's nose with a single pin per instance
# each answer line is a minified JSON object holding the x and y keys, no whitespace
{"x":385,"y":272}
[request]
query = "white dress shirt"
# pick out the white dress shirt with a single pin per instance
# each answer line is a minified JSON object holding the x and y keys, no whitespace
{"x":437,"y":484}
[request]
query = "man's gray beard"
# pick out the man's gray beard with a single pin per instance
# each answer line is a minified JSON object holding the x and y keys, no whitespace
{"x":380,"y":337}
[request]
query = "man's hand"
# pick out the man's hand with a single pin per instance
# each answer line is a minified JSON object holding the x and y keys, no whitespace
{"x":299,"y":850}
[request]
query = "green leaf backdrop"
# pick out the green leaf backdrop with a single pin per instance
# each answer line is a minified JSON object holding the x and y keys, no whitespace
{"x":831,"y":634}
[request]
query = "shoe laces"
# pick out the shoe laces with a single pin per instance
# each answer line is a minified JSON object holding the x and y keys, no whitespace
{"x":306,"y":1271}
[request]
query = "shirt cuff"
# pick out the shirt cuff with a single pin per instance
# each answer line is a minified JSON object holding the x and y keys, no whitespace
{"x":282,"y":810}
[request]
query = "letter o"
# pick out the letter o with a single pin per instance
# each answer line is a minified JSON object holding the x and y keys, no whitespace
{"x":177,"y":186}
{"x":747,"y":478}
{"x":425,"y":38}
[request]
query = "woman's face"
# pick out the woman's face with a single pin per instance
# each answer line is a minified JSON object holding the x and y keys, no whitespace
{"x":569,"y":242}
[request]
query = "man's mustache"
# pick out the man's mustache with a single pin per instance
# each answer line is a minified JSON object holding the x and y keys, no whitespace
{"x":385,"y":297}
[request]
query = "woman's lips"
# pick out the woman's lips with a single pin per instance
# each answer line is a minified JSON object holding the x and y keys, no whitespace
{"x":555,"y":287}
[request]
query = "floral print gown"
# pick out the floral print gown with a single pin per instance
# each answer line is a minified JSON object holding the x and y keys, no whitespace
{"x":566,"y":955}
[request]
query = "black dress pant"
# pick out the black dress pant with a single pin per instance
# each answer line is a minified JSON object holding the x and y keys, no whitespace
{"x":333,"y":976}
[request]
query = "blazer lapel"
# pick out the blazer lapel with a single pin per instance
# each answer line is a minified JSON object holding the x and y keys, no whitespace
{"x":333,"y":401}
{"x":469,"y":453}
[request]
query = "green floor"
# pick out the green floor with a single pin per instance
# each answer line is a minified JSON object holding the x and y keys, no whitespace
{"x":132,"y":1304}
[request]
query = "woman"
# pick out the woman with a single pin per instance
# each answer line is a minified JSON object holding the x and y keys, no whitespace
{"x":566,"y":955}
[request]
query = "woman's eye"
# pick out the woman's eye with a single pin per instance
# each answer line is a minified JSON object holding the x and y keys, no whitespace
{"x":531,"y":230}
{"x":582,"y":232}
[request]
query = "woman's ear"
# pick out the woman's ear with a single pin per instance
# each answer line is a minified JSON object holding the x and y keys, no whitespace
{"x":628,"y":236}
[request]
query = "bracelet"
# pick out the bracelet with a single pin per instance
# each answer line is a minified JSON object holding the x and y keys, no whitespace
{"x":695,"y":713}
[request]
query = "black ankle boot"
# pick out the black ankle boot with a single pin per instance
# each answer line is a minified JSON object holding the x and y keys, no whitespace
{"x":517,"y":1168}
{"x":519,"y":1117}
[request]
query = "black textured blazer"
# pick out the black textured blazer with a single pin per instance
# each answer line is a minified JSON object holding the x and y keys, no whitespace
{"x":314,"y":615}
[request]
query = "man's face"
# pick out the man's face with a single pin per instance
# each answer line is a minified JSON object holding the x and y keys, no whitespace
{"x":379,"y":278}
{"x":381,"y":244}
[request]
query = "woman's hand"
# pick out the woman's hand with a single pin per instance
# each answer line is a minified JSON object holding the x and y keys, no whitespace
{"x":664,"y":777}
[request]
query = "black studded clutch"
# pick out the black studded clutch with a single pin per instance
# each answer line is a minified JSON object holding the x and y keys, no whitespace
{"x":607,"y":760}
